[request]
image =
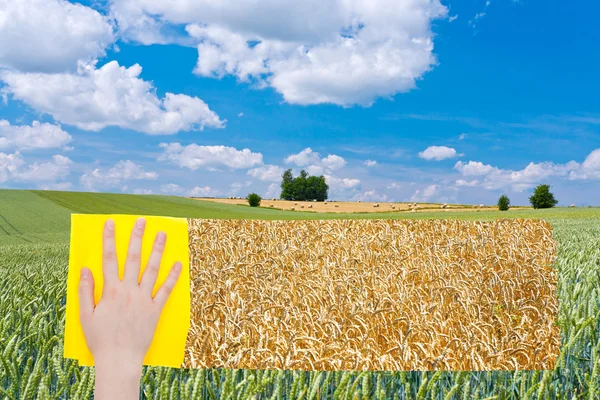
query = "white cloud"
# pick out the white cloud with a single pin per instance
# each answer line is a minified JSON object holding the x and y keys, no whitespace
{"x":171,"y":188}
{"x":533,"y":174}
{"x":205,"y":191}
{"x":53,"y":170}
{"x":370,"y":163}
{"x":121,"y":172}
{"x":305,"y":157}
{"x":30,"y":137}
{"x":314,"y":170}
{"x":394,"y":185}
{"x":474,"y":168}
{"x":462,"y":136}
{"x":341,"y":183}
{"x":9,"y":164}
{"x":194,"y":156}
{"x":94,"y":98}
{"x":425,"y":194}
{"x":297,"y":48}
{"x":589,"y":169}
{"x":241,"y":114}
{"x":14,"y":167}
{"x":314,"y":164}
{"x":333,"y":162}
{"x":267,"y":173}
{"x":50,"y":35}
{"x":452,"y":18}
{"x":464,"y":183}
{"x":438,"y":153}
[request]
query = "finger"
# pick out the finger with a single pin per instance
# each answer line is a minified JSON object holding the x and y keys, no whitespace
{"x":86,"y":296}
{"x":134,"y":254}
{"x":110,"y":265}
{"x":151,"y":272}
{"x":162,"y":295}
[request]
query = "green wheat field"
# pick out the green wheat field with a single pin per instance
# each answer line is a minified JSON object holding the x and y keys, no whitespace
{"x":34,"y":249}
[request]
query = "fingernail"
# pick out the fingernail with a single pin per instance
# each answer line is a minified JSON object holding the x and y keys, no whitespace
{"x":85,"y":273}
{"x":177,"y":266}
{"x":110,"y":224}
{"x":160,"y":238}
{"x":140,"y":223}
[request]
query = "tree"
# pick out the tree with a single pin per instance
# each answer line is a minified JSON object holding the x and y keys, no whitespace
{"x":286,"y":185}
{"x":542,"y":197}
{"x":503,"y":203}
{"x":253,"y":199}
{"x":303,"y":187}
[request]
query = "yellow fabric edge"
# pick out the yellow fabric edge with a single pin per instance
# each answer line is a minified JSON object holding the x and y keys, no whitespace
{"x":85,"y":250}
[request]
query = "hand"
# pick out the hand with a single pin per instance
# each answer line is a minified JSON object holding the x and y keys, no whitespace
{"x":120,"y":328}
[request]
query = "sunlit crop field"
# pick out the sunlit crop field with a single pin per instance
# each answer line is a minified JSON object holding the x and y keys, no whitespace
{"x":32,"y":310}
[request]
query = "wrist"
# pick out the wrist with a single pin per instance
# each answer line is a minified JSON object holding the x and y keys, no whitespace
{"x":117,"y":378}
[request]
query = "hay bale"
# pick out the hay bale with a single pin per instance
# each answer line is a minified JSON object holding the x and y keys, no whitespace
{"x":572,"y":205}
{"x":310,"y":206}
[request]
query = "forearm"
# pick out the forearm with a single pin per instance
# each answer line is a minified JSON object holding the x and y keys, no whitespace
{"x":117,"y":380}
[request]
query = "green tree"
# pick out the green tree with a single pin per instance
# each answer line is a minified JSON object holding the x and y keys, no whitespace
{"x":303,"y":187}
{"x":286,"y":185}
{"x":253,"y":199}
{"x":503,"y":203}
{"x":542,"y":197}
{"x":323,"y":189}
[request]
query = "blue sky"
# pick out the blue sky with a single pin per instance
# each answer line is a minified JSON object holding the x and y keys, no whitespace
{"x":428,"y":101}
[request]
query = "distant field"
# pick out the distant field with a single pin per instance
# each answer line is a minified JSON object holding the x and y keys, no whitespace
{"x":356,"y":207}
{"x":32,"y":216}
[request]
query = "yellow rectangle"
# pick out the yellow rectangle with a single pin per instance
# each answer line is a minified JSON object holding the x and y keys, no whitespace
{"x":168,"y":346}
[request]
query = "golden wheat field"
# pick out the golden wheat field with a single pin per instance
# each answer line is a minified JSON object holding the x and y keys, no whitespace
{"x":356,"y":207}
{"x":372,"y":295}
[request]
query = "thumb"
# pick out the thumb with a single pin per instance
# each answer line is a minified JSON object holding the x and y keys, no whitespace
{"x":86,"y":296}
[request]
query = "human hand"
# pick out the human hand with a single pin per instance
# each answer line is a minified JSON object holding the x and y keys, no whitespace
{"x":120,"y":328}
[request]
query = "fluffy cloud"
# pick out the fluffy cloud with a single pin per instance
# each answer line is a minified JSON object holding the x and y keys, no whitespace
{"x":314,"y":164}
{"x":304,"y":158}
{"x":94,"y":98}
{"x":311,"y":52}
{"x":50,"y":35}
{"x":36,"y":136}
{"x":120,"y":173}
{"x":194,"y":156}
{"x":438,"y":153}
{"x":370,"y":163}
{"x":426,"y":194}
{"x":589,"y":169}
{"x":14,"y":167}
{"x":493,"y":178}
{"x":267,"y":173}
{"x":341,"y":183}
{"x":53,"y":170}
{"x":9,"y":163}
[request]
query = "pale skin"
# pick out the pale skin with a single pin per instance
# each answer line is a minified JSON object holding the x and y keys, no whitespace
{"x":120,"y":328}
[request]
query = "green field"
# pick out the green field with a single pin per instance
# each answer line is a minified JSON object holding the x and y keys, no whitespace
{"x":34,"y":234}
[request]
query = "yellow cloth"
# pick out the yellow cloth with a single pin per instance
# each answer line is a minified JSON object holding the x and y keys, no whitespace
{"x":168,"y":346}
